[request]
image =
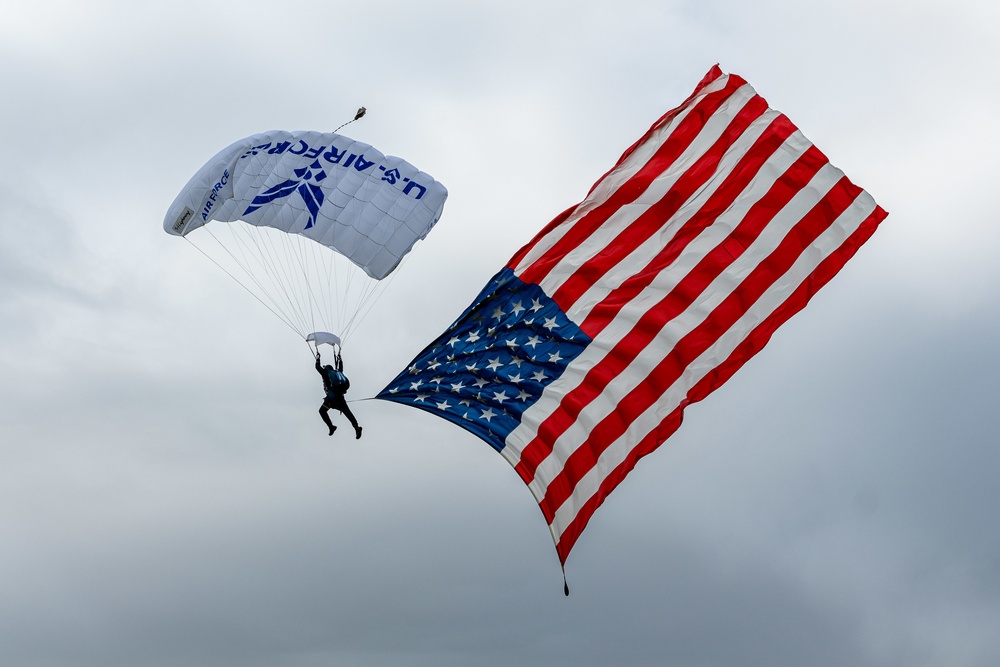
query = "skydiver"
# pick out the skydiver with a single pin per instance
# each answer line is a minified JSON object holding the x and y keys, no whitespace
{"x":336,"y":384}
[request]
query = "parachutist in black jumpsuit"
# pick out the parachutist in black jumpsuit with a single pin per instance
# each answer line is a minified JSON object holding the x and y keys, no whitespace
{"x":335,"y":384}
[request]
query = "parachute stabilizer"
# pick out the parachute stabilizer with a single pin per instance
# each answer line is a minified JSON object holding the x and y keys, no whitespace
{"x":317,"y":338}
{"x":323,"y":338}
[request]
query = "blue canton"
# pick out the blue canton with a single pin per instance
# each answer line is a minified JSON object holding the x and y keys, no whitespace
{"x":493,"y":363}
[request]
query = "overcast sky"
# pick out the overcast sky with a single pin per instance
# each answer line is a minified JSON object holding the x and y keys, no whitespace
{"x":169,"y":496}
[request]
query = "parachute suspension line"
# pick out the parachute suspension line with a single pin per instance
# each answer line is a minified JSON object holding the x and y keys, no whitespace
{"x":252,"y":275}
{"x":278,"y":249}
{"x":269,"y":259}
{"x":327,"y":260}
{"x":349,"y":311}
{"x":372,"y":296}
{"x":306,"y":252}
{"x":261,"y":263}
{"x":314,"y":261}
{"x":346,"y":313}
{"x":240,"y":283}
{"x":339,"y":274}
{"x":296,"y":250}
{"x":375,"y":294}
{"x":254,"y":264}
{"x":361,"y":112}
{"x":315,"y":284}
{"x":285,"y":258}
{"x":332,"y":281}
{"x":329,"y":266}
{"x":260,"y":268}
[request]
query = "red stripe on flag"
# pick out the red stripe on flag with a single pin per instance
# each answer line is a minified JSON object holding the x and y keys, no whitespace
{"x":559,"y":219}
{"x":754,"y":342}
{"x":724,"y":196}
{"x":711,"y":76}
{"x":673,"y":146}
{"x":651,"y":220}
{"x":714,"y":73}
{"x":796,"y":302}
{"x":697,"y":341}
{"x":677,"y":301}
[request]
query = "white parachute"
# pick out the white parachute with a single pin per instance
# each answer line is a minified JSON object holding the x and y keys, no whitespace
{"x":281,"y":211}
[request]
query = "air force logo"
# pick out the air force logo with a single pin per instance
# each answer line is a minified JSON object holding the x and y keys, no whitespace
{"x":306,"y":183}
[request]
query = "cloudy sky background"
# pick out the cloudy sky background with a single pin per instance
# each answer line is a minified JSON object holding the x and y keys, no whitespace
{"x":168,"y":495}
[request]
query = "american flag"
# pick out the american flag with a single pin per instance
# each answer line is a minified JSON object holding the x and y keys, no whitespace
{"x":581,"y":354}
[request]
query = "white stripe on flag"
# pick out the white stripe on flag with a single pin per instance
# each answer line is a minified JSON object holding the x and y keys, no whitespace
{"x":613,"y":181}
{"x":807,"y":262}
{"x":661,"y":186}
{"x":648,"y":250}
{"x":675,"y":330}
{"x":709,"y":238}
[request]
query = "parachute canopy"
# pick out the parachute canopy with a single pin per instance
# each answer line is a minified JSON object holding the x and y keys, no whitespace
{"x":341,"y":193}
{"x":277,"y":204}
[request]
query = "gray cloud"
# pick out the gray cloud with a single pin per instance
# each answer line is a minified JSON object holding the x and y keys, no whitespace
{"x":168,"y":495}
